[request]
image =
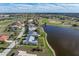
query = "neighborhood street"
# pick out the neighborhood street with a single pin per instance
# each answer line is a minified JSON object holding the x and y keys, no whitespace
{"x":9,"y":48}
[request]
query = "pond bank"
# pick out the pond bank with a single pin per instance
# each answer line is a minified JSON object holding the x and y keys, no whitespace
{"x":47,"y":44}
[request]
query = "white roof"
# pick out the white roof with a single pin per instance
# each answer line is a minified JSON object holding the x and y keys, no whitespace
{"x":31,"y":20}
{"x":31,"y":38}
{"x":32,"y":28}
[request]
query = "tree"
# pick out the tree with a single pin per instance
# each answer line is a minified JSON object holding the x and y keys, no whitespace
{"x":74,"y":25}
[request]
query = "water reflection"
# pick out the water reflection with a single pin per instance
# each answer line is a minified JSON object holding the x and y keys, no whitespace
{"x":65,"y":41}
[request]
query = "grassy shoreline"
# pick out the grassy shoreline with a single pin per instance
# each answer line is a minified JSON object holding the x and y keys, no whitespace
{"x":47,"y":45}
{"x":57,"y":24}
{"x":51,"y":50}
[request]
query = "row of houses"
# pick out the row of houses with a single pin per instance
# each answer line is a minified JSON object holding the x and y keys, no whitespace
{"x":3,"y":16}
{"x":32,"y":34}
{"x":5,"y":37}
{"x":17,"y":24}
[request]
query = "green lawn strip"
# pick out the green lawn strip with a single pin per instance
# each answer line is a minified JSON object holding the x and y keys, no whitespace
{"x":30,"y":46}
{"x":46,"y":44}
{"x":42,"y":42}
{"x":48,"y":50}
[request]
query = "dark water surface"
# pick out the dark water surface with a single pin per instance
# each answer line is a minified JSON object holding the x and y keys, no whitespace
{"x":64,"y":41}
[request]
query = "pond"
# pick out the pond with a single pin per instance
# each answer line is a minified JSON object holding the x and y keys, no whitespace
{"x":64,"y":41}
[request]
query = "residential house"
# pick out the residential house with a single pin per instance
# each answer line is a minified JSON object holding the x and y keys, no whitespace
{"x":4,"y":37}
{"x":30,"y":40}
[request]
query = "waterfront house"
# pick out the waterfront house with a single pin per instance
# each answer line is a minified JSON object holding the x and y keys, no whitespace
{"x":30,"y":40}
{"x":31,"y":36}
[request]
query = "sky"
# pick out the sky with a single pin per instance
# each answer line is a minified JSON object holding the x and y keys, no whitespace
{"x":39,"y":8}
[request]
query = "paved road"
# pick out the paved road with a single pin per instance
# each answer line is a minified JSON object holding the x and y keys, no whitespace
{"x":21,"y":33}
{"x":9,"y":48}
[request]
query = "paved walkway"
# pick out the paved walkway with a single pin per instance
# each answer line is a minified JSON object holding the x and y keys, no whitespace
{"x":9,"y":48}
{"x":24,"y":53}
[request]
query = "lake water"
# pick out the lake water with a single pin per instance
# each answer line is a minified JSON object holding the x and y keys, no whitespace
{"x":64,"y":41}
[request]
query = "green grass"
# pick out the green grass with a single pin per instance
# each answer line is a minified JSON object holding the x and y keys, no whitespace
{"x":30,"y":46}
{"x":3,"y":46}
{"x":43,"y":43}
{"x":43,"y":38}
{"x":4,"y":24}
{"x":42,"y":21}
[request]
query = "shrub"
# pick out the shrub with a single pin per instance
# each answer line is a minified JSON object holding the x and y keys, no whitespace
{"x":74,"y":25}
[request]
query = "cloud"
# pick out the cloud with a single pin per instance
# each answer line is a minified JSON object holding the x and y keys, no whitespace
{"x":38,"y":7}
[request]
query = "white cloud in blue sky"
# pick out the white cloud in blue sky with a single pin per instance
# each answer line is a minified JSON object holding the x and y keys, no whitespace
{"x":38,"y":8}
